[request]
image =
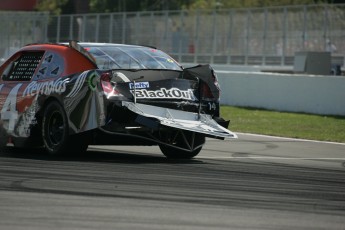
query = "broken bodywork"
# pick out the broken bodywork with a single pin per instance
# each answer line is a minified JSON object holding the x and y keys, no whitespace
{"x":164,"y":104}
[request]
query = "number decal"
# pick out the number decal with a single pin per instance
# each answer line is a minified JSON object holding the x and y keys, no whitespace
{"x":9,"y":110}
{"x":212,"y":106}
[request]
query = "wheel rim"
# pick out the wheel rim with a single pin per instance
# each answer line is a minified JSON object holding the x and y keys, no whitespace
{"x":182,"y":145}
{"x":55,"y":129}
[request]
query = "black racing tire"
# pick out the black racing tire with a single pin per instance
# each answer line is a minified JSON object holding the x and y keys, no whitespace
{"x":55,"y":129}
{"x":175,"y":153}
{"x":3,"y":137}
{"x":55,"y":132}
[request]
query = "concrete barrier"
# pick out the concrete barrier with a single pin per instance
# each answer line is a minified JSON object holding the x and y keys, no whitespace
{"x":313,"y":94}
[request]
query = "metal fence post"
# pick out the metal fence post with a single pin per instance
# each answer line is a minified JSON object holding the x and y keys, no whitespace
{"x":136,"y":28}
{"x":71,"y":27}
{"x":325,"y":24}
{"x":58,"y":28}
{"x":97,"y":29}
{"x":284,"y":36}
{"x":304,"y":26}
{"x":124,"y":18}
{"x":229,"y":40}
{"x":264,"y":38}
{"x":247,"y":40}
{"x":196,"y":38}
{"x":214,"y":36}
{"x":111,"y":18}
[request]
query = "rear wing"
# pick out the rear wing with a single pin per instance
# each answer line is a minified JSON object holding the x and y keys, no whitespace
{"x":79,"y":48}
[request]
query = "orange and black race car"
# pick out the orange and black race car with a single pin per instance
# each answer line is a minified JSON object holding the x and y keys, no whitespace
{"x":64,"y":97}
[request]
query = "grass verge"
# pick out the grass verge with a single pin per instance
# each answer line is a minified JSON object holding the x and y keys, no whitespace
{"x":284,"y":124}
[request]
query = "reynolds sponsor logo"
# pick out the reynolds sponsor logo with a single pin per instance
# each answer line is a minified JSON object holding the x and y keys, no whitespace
{"x":139,"y":85}
{"x":163,"y":93}
{"x":46,"y":88}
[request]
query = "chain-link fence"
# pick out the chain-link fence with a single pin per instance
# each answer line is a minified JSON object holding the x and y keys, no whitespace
{"x":20,"y":28}
{"x":259,"y":36}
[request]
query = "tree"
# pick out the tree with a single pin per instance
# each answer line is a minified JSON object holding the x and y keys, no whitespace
{"x":52,"y":6}
{"x":135,"y":5}
{"x":226,"y":4}
{"x":56,"y":7}
{"x":107,"y":6}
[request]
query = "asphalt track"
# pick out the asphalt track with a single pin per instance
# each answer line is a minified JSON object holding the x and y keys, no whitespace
{"x":255,"y":182}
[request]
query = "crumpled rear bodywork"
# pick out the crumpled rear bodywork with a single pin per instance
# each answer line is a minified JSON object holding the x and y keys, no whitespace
{"x":200,"y":123}
{"x":145,"y":103}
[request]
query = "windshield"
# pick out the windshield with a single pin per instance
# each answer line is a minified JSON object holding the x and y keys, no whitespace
{"x":131,"y":57}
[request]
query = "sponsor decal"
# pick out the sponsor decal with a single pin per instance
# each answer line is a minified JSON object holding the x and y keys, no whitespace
{"x":139,"y":85}
{"x":9,"y":112}
{"x":46,"y":88}
{"x":27,"y":119}
{"x":78,"y":84}
{"x":163,"y":93}
{"x":92,"y":81}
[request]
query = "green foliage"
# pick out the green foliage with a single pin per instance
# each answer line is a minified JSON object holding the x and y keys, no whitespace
{"x":52,"y":6}
{"x":105,"y":6}
{"x":135,"y":5}
{"x":295,"y":125}
{"x":226,"y":4}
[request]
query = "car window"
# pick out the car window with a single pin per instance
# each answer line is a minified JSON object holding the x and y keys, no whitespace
{"x":52,"y":66}
{"x":23,"y":68}
{"x":131,"y":57}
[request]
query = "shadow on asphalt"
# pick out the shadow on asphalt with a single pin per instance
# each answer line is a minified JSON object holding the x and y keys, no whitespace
{"x":98,"y":155}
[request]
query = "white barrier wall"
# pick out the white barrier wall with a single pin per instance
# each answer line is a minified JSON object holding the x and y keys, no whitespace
{"x":283,"y":92}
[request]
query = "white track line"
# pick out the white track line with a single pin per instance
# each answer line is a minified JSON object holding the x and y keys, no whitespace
{"x":289,"y":138}
{"x":275,"y":158}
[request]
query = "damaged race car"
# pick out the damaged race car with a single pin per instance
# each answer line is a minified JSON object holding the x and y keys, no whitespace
{"x":64,"y":97}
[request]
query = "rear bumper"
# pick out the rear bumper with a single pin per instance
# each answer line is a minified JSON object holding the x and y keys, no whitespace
{"x":200,"y":123}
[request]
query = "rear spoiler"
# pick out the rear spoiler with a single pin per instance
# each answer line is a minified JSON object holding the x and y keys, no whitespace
{"x":79,"y":48}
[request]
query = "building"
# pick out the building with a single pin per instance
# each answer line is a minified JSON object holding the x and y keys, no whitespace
{"x":18,"y":5}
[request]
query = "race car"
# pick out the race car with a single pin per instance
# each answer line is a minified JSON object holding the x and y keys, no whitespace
{"x":65,"y":97}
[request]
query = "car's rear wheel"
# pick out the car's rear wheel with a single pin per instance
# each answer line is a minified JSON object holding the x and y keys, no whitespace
{"x":55,"y":132}
{"x":184,"y":145}
{"x":3,"y":138}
